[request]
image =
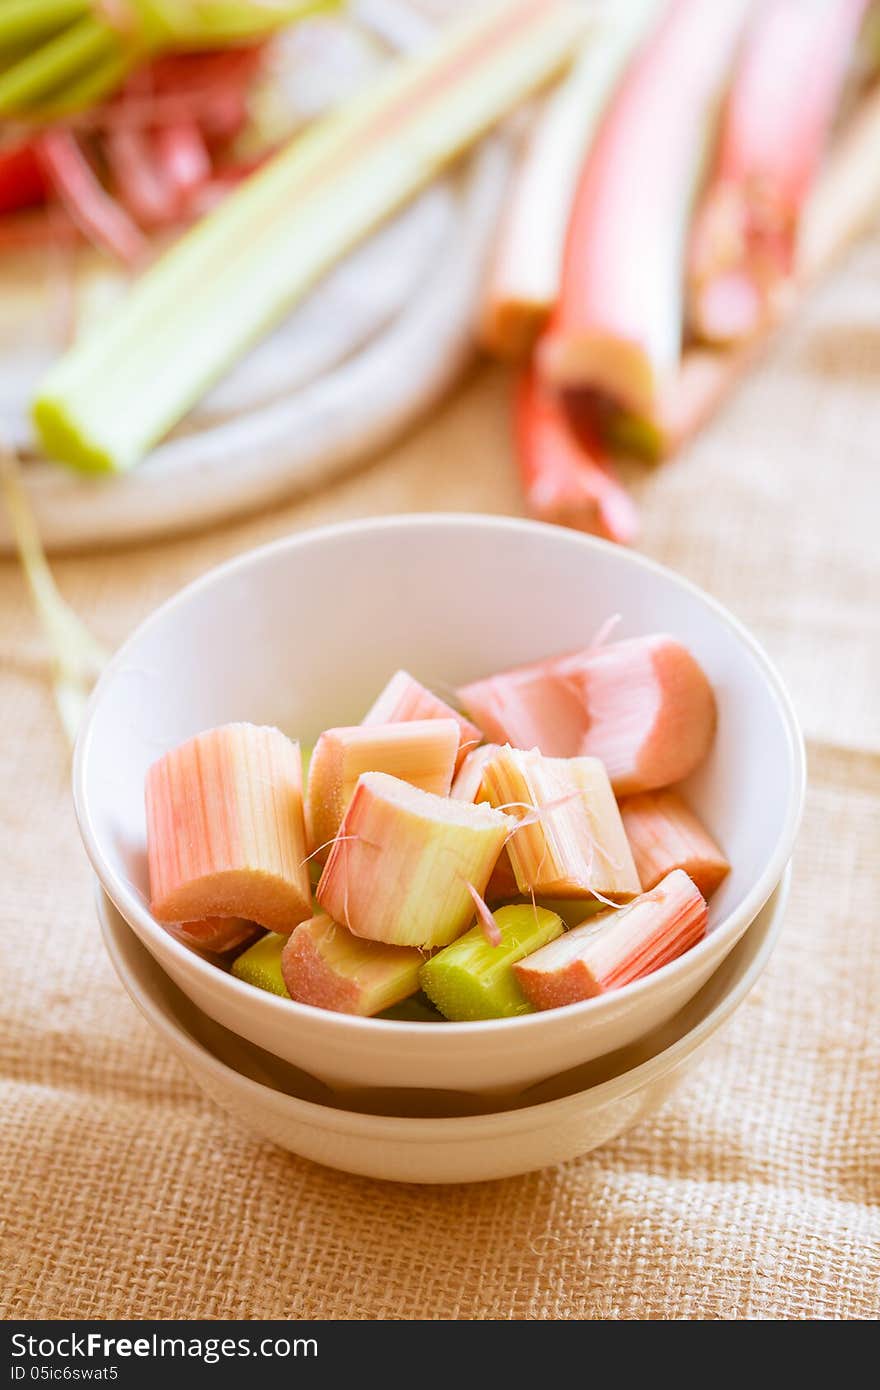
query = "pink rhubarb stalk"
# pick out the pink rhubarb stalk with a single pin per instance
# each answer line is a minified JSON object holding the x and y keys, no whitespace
{"x":216,"y":934}
{"x":644,"y":707}
{"x":225,"y":829}
{"x":570,"y":842}
{"x":406,"y":698}
{"x":404,"y":863}
{"x":419,"y":751}
{"x":664,"y":834}
{"x":97,"y":215}
{"x":777,"y":121}
{"x":564,"y":480}
{"x":325,"y":965}
{"x":617,"y":329}
{"x":617,"y":947}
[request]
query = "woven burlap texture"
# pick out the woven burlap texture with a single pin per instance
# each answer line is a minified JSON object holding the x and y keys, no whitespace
{"x":123,"y":1192}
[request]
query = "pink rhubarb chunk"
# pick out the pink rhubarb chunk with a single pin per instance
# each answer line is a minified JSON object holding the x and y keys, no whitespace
{"x":324,"y":964}
{"x":217,"y":934}
{"x":225,"y":829}
{"x":644,"y":707}
{"x":664,"y":834}
{"x":406,"y":698}
{"x":617,"y":947}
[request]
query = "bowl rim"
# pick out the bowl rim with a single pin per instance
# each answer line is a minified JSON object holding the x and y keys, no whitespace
{"x":128,"y":903}
{"x":439,"y":1129}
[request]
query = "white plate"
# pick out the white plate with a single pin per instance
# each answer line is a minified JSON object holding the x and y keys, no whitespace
{"x":565,"y":1117}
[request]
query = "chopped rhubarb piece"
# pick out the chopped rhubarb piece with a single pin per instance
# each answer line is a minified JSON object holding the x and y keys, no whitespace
{"x":217,"y":934}
{"x":566,"y":480}
{"x":618,"y":324}
{"x":529,"y":707}
{"x":650,"y":711}
{"x":422,"y":752}
{"x":225,"y":829}
{"x":416,"y":1009}
{"x":778,"y":117}
{"x":404,"y":862}
{"x":260,"y":964}
{"x":664,"y":834}
{"x":469,"y":785}
{"x":617,"y":947}
{"x":472,"y":980}
{"x":325,"y":964}
{"x":643,"y":706}
{"x":570,"y":842}
{"x":468,"y":782}
{"x":405,"y":698}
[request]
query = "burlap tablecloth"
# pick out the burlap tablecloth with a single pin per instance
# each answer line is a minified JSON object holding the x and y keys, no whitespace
{"x":753,"y":1194}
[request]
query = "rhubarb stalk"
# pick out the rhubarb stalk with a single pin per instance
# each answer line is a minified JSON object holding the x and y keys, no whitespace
{"x":778,"y":117}
{"x":405,"y":862}
{"x":524,"y":276}
{"x":260,"y":964}
{"x":617,"y":947}
{"x":225,"y":829}
{"x":617,"y":329}
{"x":236,"y":274}
{"x":421,"y":752}
{"x":325,"y":965}
{"x":404,"y":698}
{"x":564,"y":480}
{"x":570,"y":842}
{"x":472,"y":979}
{"x":664,"y":834}
{"x":644,"y":707}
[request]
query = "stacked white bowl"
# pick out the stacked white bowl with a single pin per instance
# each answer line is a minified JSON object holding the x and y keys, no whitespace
{"x":302,"y":634}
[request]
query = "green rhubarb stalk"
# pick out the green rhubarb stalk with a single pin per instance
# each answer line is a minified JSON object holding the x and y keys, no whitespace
{"x":21,"y":20}
{"x":84,"y":45}
{"x":236,"y":274}
{"x":77,"y":658}
{"x":72,"y":53}
{"x":417,"y":1009}
{"x":471,"y":979}
{"x":260,"y":964}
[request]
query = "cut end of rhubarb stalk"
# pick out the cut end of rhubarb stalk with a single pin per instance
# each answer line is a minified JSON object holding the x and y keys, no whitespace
{"x":644,"y":707}
{"x":215,"y":934}
{"x":404,"y":862}
{"x":260,"y":965}
{"x":617,"y":947}
{"x":325,"y":965}
{"x":611,"y":366}
{"x":404,"y":698}
{"x":472,"y":979}
{"x":225,"y":829}
{"x":571,"y":843}
{"x":468,"y":782}
{"x":564,"y":480}
{"x":664,"y":834}
{"x":650,"y":711}
{"x":529,"y":707}
{"x":422,"y":752}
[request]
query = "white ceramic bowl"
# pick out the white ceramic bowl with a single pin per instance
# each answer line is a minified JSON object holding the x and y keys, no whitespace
{"x":562,"y":1118}
{"x":304,"y":633}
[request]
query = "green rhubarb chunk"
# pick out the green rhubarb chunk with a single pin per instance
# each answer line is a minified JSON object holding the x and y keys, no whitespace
{"x":260,"y":964}
{"x":472,"y":979}
{"x":574,"y":911}
{"x":417,"y":1009}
